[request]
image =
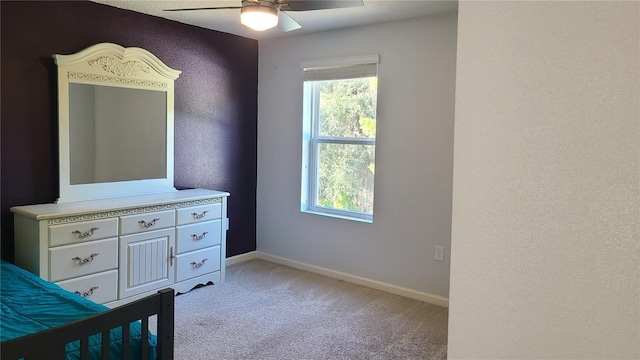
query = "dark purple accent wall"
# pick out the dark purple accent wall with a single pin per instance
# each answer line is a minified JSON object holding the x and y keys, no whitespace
{"x":215,"y":103}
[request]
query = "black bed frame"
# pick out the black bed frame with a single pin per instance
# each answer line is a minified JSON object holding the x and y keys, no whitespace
{"x":50,"y":344}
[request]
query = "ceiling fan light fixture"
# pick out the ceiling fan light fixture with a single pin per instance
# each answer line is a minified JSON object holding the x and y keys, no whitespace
{"x":259,"y":17}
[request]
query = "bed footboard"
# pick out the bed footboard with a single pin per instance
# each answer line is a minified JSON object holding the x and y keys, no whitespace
{"x":51,"y":344}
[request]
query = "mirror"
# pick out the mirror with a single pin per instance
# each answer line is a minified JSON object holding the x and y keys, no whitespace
{"x":115,"y":122}
{"x":125,"y":122}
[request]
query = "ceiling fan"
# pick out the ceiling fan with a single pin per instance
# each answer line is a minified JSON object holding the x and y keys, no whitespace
{"x":261,"y":15}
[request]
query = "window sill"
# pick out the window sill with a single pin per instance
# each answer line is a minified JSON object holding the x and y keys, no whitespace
{"x":338,"y":216}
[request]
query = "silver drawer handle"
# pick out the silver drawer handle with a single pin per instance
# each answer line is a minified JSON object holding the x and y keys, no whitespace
{"x":201,"y":215}
{"x":83,"y":235}
{"x":85,"y":260}
{"x":197,"y":265}
{"x":87,"y":293}
{"x":196,"y":237}
{"x":148,"y":224}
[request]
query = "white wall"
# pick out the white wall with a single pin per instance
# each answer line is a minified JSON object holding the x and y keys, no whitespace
{"x":546,"y":200}
{"x":414,"y":155}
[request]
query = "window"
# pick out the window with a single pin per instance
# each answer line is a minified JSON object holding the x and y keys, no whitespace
{"x":339,"y":137}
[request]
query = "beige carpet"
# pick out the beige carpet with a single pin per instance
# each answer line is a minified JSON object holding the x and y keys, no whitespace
{"x":270,"y":311}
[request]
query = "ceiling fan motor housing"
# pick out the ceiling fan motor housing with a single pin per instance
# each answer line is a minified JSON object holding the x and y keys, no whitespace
{"x":260,"y":3}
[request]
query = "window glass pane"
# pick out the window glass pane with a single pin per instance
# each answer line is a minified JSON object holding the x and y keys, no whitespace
{"x":348,"y":108}
{"x":345,"y":177}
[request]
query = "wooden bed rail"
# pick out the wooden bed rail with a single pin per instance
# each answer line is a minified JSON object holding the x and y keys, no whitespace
{"x":50,"y":344}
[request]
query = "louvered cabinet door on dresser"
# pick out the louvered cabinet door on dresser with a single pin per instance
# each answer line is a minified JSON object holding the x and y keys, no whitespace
{"x":115,"y":251}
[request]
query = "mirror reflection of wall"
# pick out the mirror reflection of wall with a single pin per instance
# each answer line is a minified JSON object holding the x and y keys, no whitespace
{"x":116,"y":134}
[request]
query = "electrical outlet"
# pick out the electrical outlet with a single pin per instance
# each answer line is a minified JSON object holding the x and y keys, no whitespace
{"x":439,"y":253}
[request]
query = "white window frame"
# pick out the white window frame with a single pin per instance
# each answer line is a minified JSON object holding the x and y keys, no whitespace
{"x":311,"y":140}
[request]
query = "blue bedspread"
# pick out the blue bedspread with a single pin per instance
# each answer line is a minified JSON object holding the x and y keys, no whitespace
{"x":30,"y":304}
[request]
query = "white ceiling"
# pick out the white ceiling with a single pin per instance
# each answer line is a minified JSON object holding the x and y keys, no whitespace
{"x":228,"y":21}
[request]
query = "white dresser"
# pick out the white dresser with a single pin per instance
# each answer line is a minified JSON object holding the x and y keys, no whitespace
{"x":114,"y":251}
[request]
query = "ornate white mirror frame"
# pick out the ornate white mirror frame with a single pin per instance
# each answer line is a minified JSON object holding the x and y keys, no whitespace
{"x":111,"y":71}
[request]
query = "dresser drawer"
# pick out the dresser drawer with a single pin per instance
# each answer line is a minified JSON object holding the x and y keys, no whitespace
{"x":100,"y":288}
{"x":198,"y":236}
{"x":197,"y":263}
{"x":132,"y":224}
{"x":70,"y":261}
{"x":82,"y":231}
{"x":199,"y":213}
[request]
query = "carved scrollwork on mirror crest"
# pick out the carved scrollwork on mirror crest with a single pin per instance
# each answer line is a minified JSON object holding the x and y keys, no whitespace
{"x":118,"y":67}
{"x":116,"y":80}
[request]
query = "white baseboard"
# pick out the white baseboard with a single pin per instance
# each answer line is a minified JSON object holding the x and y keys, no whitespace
{"x":426,"y":297}
{"x":240,"y":258}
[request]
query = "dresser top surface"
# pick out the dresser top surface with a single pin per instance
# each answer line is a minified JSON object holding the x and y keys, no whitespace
{"x":52,"y":210}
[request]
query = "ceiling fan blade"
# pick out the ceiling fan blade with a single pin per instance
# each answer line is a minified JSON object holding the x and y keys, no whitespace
{"x":307,"y":5}
{"x":206,"y":8}
{"x":286,"y":22}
